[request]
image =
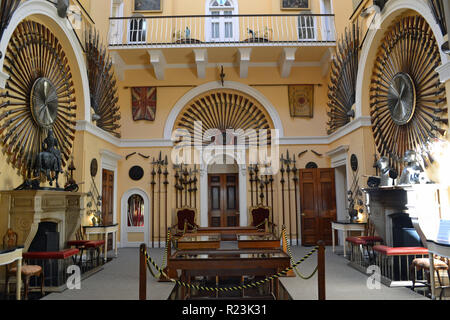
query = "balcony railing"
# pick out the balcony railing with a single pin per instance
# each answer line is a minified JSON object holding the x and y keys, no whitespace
{"x":224,"y":30}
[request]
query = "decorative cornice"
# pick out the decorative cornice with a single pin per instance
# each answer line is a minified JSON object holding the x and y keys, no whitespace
{"x":162,"y":143}
{"x":444,"y":72}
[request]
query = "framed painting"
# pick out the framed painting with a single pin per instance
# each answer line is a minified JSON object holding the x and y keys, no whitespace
{"x":301,"y":100}
{"x":295,"y":5}
{"x":143,"y":103}
{"x":147,"y":6}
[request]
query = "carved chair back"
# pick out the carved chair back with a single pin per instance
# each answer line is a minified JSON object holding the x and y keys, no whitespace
{"x":10,"y":241}
{"x":259,"y":215}
{"x":186,"y":219}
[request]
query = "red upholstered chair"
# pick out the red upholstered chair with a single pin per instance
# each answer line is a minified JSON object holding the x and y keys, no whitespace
{"x":185,"y":221}
{"x":260,"y":217}
{"x":366,"y":241}
{"x":28,"y":271}
{"x":90,"y":245}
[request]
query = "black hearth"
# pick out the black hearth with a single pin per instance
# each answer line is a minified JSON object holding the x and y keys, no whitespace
{"x":403,"y":232}
{"x":46,"y":238}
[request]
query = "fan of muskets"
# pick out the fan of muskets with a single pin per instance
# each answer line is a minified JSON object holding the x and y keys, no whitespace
{"x":407,"y":99}
{"x":212,"y":118}
{"x":7,"y":9}
{"x":102,"y":84}
{"x":344,"y":70}
{"x":437,"y":7}
{"x":39,"y":95}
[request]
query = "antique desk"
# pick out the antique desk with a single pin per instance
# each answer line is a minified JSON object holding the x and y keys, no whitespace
{"x":220,"y":263}
{"x":104,"y":230}
{"x":9,"y":256}
{"x":228,"y":233}
{"x":346,"y":226}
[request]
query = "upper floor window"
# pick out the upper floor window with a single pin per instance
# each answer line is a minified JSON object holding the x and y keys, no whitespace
{"x":306,"y":27}
{"x":222,"y":25}
{"x":137,"y":30}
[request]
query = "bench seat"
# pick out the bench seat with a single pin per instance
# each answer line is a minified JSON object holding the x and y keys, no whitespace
{"x":52,"y":255}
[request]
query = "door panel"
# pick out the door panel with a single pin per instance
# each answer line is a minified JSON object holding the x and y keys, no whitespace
{"x":108,"y":201}
{"x":223,"y":200}
{"x":318,"y":205}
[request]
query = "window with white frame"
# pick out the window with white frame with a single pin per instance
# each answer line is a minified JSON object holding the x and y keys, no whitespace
{"x":135,"y":212}
{"x":137,"y":30}
{"x":306,"y":27}
{"x":222,"y":25}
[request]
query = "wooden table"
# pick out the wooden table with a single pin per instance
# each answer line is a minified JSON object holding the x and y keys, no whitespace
{"x":221,"y":263}
{"x":105,"y":230}
{"x":346,"y":226}
{"x":10,"y":256}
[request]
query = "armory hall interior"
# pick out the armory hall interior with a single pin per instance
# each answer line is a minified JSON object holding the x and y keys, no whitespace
{"x":224,"y":149}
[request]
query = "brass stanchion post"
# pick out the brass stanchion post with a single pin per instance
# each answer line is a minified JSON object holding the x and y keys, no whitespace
{"x":142,"y":273}
{"x":321,"y":270}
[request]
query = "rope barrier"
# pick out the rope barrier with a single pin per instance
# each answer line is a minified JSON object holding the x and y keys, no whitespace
{"x":283,"y":232}
{"x":150,"y":261}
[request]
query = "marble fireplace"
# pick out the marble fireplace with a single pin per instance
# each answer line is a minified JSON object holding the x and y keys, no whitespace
{"x":27,"y":209}
{"x":419,"y":203}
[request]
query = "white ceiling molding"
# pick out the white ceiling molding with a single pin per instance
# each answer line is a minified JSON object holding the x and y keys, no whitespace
{"x":159,"y":63}
{"x":287,"y":60}
{"x":167,"y":143}
{"x":338,"y":156}
{"x":444,"y":72}
{"x":201,"y":60}
{"x":244,"y":55}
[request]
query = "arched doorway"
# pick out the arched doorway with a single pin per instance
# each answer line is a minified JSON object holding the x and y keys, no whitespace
{"x":223,"y":193}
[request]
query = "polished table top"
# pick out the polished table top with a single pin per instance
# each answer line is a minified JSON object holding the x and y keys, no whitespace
{"x":4,"y":249}
{"x":228,"y":254}
{"x":195,"y":237}
{"x":349,"y":222}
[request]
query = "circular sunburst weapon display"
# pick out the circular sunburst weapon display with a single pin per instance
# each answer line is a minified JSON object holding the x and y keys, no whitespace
{"x":223,"y":118}
{"x":344,"y":71}
{"x":39,"y":96}
{"x":407,"y":99}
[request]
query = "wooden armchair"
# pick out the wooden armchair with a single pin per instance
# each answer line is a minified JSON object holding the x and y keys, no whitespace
{"x":260,"y":218}
{"x":28,"y":271}
{"x":185,"y":221}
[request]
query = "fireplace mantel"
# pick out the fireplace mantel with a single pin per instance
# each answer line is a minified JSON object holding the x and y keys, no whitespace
{"x":27,"y":208}
{"x":419,"y":202}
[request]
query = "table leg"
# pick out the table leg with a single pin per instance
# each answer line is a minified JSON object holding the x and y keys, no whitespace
{"x":115,"y":243}
{"x":345,"y":243}
{"x":432,"y":277}
{"x":19,"y":279}
{"x":333,"y":237}
{"x":105,"y":252}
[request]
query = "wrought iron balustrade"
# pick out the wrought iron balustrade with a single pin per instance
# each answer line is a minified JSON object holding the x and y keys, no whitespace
{"x":224,"y":30}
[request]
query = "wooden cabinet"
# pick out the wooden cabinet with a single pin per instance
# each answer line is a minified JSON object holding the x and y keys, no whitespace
{"x":318,"y":205}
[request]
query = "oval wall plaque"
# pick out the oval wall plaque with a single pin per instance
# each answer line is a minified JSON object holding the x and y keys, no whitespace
{"x":136,"y":173}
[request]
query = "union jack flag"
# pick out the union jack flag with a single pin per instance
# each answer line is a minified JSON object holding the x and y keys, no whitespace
{"x":143,"y":103}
